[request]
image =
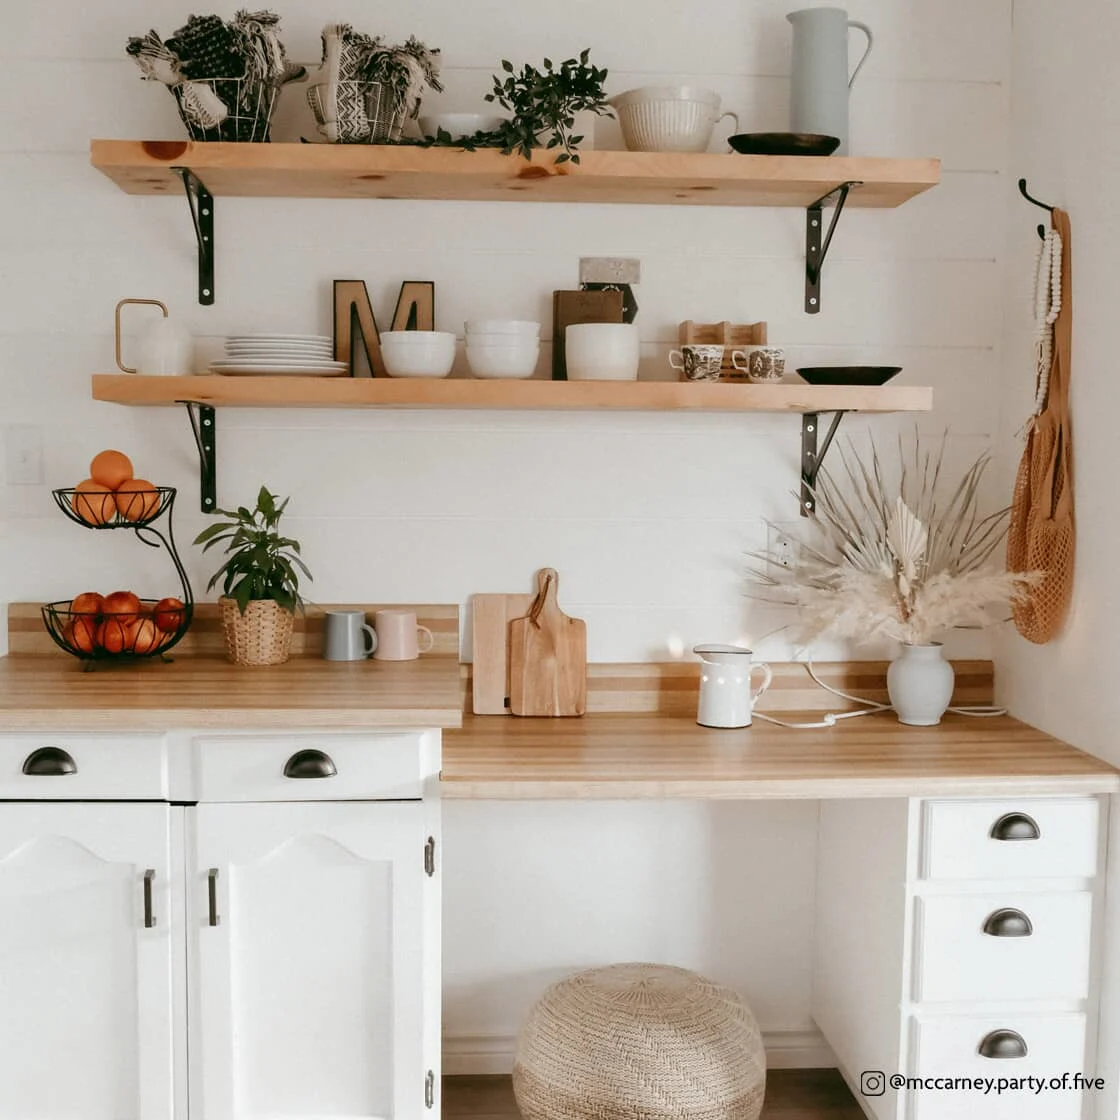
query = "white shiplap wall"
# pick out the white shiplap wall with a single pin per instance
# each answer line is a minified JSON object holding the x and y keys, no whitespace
{"x":646,"y":516}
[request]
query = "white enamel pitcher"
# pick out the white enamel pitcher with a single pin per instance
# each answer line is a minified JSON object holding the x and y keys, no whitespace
{"x":726,"y":696}
{"x":819,"y":81}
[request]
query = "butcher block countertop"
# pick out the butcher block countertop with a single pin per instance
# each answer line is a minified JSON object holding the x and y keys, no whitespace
{"x":51,"y":692}
{"x":627,"y":755}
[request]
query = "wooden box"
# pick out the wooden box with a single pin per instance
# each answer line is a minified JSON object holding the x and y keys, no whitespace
{"x":731,"y":336}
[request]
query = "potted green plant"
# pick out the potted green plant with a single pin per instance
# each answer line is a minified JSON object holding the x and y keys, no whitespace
{"x":544,"y":104}
{"x":260,"y":581}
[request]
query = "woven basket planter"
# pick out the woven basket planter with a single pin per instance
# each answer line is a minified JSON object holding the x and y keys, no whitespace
{"x":260,"y":636}
{"x":639,"y":1042}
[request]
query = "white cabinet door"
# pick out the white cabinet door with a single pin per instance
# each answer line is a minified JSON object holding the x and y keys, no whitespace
{"x":86,"y":987}
{"x":309,"y":984}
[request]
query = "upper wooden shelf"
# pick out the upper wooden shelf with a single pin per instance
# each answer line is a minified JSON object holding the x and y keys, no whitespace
{"x":388,"y":392}
{"x":388,"y":171}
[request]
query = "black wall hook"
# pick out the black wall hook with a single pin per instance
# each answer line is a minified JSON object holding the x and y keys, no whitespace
{"x":1035,"y":202}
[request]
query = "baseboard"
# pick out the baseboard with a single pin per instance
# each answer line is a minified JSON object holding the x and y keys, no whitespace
{"x":493,"y":1053}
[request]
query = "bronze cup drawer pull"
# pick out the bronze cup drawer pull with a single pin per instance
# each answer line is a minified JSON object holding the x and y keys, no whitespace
{"x":1002,"y":1044}
{"x":49,"y":762}
{"x":310,"y":764}
{"x":1008,"y":922}
{"x":1015,"y":826}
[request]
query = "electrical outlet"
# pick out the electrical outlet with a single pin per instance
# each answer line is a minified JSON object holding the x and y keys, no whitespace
{"x":609,"y":270}
{"x":782,"y":547}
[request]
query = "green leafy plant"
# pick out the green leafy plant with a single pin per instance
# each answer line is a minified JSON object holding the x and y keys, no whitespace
{"x":546,"y":102}
{"x":261,"y":563}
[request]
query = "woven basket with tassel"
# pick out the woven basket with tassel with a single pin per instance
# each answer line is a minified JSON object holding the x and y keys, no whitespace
{"x":260,"y":636}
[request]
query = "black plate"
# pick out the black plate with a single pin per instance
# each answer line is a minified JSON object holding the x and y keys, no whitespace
{"x":848,"y":375}
{"x":784,"y":144}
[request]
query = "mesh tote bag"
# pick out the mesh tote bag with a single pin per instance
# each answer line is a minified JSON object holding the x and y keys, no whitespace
{"x":1040,"y":536}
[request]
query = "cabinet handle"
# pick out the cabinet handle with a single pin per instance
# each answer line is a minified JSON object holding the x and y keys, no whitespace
{"x":1008,"y":922}
{"x":49,"y":762}
{"x":1002,"y":1044}
{"x":149,"y":917}
{"x":310,"y":764}
{"x":212,"y":887}
{"x":1015,"y":826}
{"x":430,"y":1090}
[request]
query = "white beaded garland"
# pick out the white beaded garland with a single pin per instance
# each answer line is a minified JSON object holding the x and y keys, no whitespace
{"x":1047,"y":306}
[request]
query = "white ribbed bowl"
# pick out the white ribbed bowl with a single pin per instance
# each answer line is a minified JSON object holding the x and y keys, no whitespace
{"x":667,"y":118}
{"x":514,"y":360}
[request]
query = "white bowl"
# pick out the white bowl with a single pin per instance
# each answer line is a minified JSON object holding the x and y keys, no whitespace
{"x":524,"y":327}
{"x":668,"y":118}
{"x":432,"y":355}
{"x":602,"y":351}
{"x":458,"y":125}
{"x":503,"y":361}
{"x":504,"y":340}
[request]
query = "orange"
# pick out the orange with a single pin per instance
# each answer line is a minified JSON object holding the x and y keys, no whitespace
{"x":82,"y":634}
{"x":93,"y":502}
{"x":122,"y":603}
{"x":142,"y":636}
{"x":113,"y":635}
{"x":168,"y":614}
{"x":110,"y":468}
{"x":137,"y":499}
{"x":88,"y":603}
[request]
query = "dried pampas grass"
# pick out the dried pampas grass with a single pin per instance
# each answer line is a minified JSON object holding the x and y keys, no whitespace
{"x":900,"y":561}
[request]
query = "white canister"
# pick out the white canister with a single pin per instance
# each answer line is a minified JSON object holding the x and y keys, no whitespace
{"x":726,"y":696}
{"x":602,"y":351}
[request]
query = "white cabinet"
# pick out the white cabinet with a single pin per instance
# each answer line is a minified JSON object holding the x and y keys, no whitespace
{"x":267,"y":947}
{"x":91,"y":962}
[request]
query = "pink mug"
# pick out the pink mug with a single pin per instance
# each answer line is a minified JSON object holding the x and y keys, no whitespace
{"x":397,"y":632}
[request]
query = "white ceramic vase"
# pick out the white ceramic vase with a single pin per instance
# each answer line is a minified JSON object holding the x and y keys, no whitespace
{"x":920,"y":685}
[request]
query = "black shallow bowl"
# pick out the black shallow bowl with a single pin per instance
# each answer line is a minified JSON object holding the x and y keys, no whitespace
{"x":783,"y":144}
{"x":848,"y":375}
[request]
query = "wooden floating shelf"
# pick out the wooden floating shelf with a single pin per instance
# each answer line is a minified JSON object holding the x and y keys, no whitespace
{"x":407,"y":171}
{"x":387,"y":392}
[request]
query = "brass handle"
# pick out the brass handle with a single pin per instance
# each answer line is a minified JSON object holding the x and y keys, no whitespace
{"x":1002,"y":1044}
{"x":49,"y":762}
{"x":149,"y":916}
{"x":117,"y":326}
{"x":1015,"y":826}
{"x":212,"y":886}
{"x":1008,"y":922}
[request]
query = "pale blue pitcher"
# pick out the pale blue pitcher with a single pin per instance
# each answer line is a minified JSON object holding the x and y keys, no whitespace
{"x":819,"y":81}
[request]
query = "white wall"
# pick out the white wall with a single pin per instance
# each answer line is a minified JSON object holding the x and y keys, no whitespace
{"x":1065,"y":90}
{"x":645,"y":516}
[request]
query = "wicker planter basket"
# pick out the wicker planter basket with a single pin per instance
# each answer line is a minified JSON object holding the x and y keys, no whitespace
{"x":260,"y":636}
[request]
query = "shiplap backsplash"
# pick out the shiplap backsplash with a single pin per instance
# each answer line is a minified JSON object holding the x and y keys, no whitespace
{"x":647,"y":517}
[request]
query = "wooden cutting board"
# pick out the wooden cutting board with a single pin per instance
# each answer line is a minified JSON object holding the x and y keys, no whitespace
{"x":490,"y":619}
{"x":547,"y":657}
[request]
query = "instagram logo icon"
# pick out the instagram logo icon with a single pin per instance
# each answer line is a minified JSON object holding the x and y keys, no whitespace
{"x":872,"y":1083}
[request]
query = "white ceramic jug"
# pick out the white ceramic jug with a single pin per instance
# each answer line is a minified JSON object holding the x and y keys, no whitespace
{"x":165,"y":348}
{"x":819,"y":81}
{"x":726,"y":697}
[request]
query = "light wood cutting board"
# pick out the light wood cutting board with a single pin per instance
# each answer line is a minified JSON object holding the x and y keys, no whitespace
{"x":490,"y":619}
{"x":547,"y":657}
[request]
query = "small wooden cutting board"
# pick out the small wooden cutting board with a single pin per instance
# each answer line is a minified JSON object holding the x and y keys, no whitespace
{"x":547,"y":657}
{"x":490,"y":619}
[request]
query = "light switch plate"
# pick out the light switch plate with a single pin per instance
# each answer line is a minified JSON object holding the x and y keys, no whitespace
{"x":609,"y":270}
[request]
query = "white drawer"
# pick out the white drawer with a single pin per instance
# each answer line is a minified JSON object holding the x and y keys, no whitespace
{"x":960,"y":839}
{"x":334,"y":767}
{"x":960,"y":954}
{"x":119,"y":767}
{"x":949,"y":1047}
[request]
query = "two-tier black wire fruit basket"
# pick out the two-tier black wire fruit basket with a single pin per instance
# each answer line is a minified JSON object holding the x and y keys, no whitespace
{"x":121,"y":627}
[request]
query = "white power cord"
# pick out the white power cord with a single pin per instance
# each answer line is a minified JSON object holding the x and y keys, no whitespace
{"x":830,"y":719}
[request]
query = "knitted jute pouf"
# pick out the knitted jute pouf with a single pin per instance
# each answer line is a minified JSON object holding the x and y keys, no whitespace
{"x":639,"y":1042}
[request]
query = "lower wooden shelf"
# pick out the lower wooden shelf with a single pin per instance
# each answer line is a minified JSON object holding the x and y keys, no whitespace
{"x":791,"y":1094}
{"x":387,"y":392}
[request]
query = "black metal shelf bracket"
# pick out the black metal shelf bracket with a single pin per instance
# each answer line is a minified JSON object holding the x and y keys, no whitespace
{"x":201,"y":203}
{"x":816,"y":248}
{"x":204,"y":428}
{"x":813,"y":451}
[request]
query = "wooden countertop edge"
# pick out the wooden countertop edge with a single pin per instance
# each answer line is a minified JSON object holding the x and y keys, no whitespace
{"x":232,"y":719}
{"x":785,"y":789}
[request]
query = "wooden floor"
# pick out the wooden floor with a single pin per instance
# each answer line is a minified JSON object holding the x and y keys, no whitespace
{"x":791,"y":1094}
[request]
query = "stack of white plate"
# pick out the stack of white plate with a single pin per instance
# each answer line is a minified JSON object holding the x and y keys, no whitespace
{"x":263,"y":355}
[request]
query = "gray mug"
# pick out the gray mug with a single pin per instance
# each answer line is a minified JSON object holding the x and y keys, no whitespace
{"x":347,"y":636}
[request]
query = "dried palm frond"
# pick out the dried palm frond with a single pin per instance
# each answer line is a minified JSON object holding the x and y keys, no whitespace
{"x":899,"y":561}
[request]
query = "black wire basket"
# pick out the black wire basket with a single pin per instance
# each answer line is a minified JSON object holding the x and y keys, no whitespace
{"x":93,"y":635}
{"x":133,"y":509}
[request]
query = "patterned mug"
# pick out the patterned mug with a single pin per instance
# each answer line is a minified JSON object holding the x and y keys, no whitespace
{"x":761,"y":363}
{"x":698,"y":362}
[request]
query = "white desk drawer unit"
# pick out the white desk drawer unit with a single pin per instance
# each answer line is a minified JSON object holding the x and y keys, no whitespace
{"x":1005,"y":1046}
{"x":1030,"y":838}
{"x":118,"y":767}
{"x":1008,"y":945}
{"x":299,"y":768}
